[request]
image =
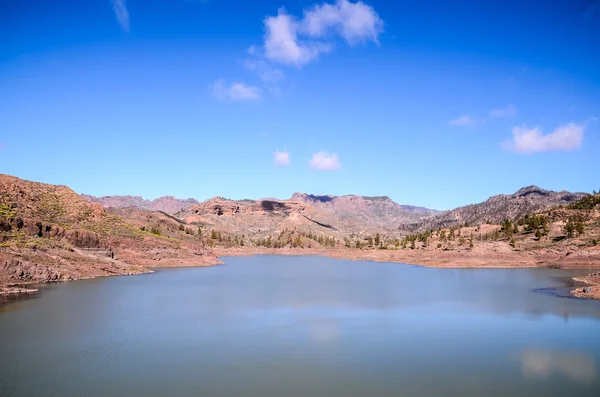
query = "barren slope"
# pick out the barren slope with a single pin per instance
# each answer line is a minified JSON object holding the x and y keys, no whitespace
{"x":50,"y":233}
{"x":360,"y":211}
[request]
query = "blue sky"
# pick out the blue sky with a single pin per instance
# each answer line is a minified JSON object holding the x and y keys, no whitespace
{"x":432,"y":103}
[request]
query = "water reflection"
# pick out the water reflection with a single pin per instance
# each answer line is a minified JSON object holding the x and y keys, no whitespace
{"x":576,"y":366}
{"x":304,"y":326}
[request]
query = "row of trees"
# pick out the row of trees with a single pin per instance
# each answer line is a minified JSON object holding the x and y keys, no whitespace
{"x":536,"y":223}
{"x":586,"y":203}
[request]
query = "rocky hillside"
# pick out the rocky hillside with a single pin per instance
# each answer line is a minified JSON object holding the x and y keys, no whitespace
{"x":261,"y":217}
{"x":50,"y":233}
{"x":168,"y":204}
{"x":498,"y":208}
{"x":379,"y":212}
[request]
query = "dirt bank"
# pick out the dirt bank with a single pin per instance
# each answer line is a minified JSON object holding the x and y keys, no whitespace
{"x":23,"y":267}
{"x":490,"y":257}
{"x":590,"y":291}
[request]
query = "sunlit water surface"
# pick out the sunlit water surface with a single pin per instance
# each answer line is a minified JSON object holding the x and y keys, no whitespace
{"x":304,"y":326}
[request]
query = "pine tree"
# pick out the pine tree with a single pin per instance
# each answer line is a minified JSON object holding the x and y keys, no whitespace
{"x":569,"y":228}
{"x":580,"y":227}
{"x":508,"y":229}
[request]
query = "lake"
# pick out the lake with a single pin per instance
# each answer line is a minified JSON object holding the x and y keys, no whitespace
{"x":304,"y":326}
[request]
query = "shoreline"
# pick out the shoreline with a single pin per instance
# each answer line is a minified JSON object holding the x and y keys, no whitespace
{"x":454,"y":260}
{"x":439,"y":259}
{"x":592,"y":288}
{"x":21,"y":287}
{"x":434,"y":259}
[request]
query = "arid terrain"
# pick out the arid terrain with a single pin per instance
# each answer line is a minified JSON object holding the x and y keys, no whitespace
{"x":50,"y":233}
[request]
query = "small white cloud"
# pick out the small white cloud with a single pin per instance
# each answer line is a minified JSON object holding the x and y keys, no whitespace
{"x":564,"y":138}
{"x":354,"y":22}
{"x":282,"y":159}
{"x":324,"y":161}
{"x":467,"y":121}
{"x":235,"y":91}
{"x":122,"y":14}
{"x":509,"y":111}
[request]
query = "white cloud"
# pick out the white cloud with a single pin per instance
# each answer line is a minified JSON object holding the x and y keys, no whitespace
{"x":564,"y":138}
{"x":352,"y":21}
{"x":282,"y":43}
{"x":235,"y":91}
{"x":324,"y":161}
{"x":467,"y":121}
{"x":294,"y":41}
{"x":282,"y":159}
{"x":509,"y":111}
{"x":121,"y":13}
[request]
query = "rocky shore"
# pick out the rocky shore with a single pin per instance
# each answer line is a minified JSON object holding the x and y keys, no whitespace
{"x":17,"y":271}
{"x":591,"y":290}
{"x":488,"y":257}
{"x":580,"y":259}
{"x":21,"y":273}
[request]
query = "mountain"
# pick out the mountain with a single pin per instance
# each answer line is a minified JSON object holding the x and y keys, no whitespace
{"x":168,"y":204}
{"x":51,"y":233}
{"x":260,"y":218}
{"x":379,"y":211}
{"x":308,"y":220}
{"x":498,"y":208}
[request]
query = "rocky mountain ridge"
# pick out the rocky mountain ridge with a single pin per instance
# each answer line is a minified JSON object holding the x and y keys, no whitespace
{"x":259,"y":217}
{"x":167,"y":204}
{"x":50,"y":233}
{"x":378,"y":211}
{"x":498,"y":208}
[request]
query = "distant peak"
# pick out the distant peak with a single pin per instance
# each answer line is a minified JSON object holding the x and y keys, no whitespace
{"x":312,"y":197}
{"x":533,"y":189}
{"x":377,"y":198}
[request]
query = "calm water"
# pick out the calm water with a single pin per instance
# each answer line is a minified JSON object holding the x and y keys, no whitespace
{"x":304,"y":326}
